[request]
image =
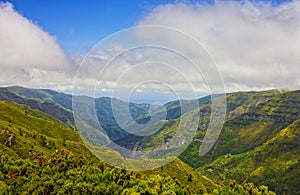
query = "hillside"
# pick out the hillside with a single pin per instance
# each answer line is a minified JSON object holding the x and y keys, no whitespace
{"x":275,"y":163}
{"x":174,"y":109}
{"x":45,"y":95}
{"x":52,"y":109}
{"x":103,"y":107}
{"x":27,"y":133}
{"x":261,"y":145}
{"x":238,"y":103}
{"x":33,"y":135}
{"x":39,"y":154}
{"x":253,"y":120}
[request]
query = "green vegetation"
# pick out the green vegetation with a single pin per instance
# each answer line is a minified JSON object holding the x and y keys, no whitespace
{"x":259,"y":142}
{"x":275,"y":163}
{"x":65,"y":173}
{"x":49,"y":108}
{"x":253,"y":120}
{"x":47,"y":157}
{"x":30,"y":133}
{"x":44,"y":95}
{"x":59,"y":105}
{"x":40,"y":155}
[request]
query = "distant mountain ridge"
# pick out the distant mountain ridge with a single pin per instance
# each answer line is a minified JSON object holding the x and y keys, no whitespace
{"x":102,"y":105}
{"x":52,"y":109}
{"x":139,"y":112}
{"x":45,"y":95}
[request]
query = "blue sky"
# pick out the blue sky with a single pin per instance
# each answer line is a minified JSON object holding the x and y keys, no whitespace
{"x":78,"y":25}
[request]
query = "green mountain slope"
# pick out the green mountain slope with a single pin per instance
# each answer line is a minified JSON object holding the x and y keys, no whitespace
{"x":275,"y":163}
{"x":40,"y":154}
{"x":174,"y":109}
{"x":64,"y":173}
{"x":46,"y":107}
{"x":44,"y":95}
{"x":238,"y":103}
{"x":253,"y":120}
{"x":28,"y":133}
{"x":103,"y":106}
{"x":46,"y":156}
{"x":246,"y":149}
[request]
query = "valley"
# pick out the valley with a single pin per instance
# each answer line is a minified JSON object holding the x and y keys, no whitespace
{"x":259,"y":142}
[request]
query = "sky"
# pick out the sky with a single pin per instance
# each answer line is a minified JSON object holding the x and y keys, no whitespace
{"x":255,"y":44}
{"x":79,"y":25}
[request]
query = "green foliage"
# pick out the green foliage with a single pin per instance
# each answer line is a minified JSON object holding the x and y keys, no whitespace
{"x":45,"y":157}
{"x":32,"y":133}
{"x":259,"y":144}
{"x":248,"y":148}
{"x":65,"y":173}
{"x":59,"y":105}
{"x":246,"y":189}
{"x":37,"y":104}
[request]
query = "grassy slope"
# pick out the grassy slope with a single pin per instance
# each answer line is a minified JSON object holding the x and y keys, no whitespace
{"x":274,"y":163}
{"x":36,"y":134}
{"x":188,"y":177}
{"x":44,"y":95}
{"x":238,"y":103}
{"x":253,"y":119}
{"x":238,"y":134}
{"x":102,"y":105}
{"x":261,"y":146}
{"x":47,"y":107}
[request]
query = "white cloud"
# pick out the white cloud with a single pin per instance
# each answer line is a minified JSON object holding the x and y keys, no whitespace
{"x":256,"y":45}
{"x":29,"y":55}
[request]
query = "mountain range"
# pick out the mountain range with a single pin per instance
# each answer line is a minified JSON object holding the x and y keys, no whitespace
{"x":259,"y":142}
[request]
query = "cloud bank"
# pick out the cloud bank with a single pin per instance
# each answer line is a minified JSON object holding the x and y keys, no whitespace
{"x":256,"y":45}
{"x":29,"y":55}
